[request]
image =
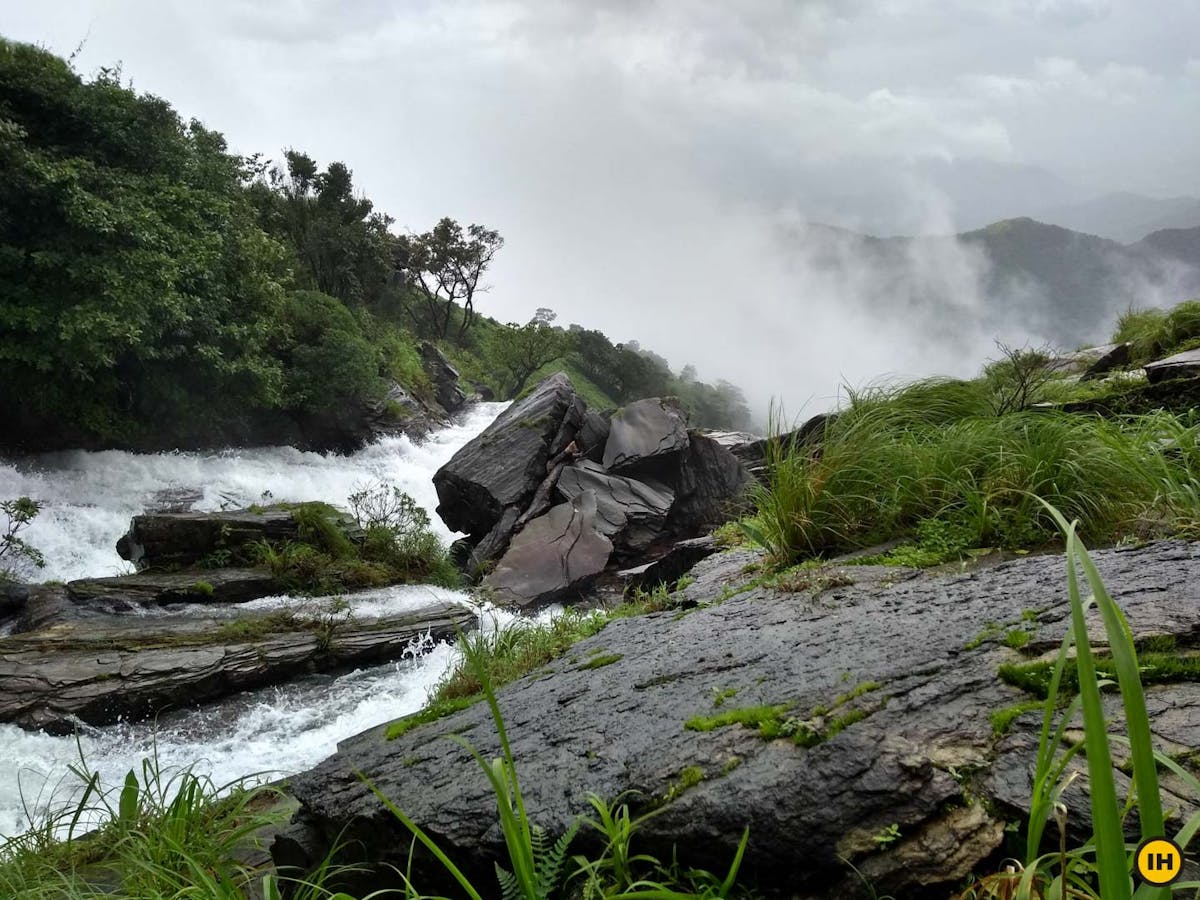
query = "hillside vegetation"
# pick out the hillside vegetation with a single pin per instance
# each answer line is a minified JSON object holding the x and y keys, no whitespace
{"x":157,"y":290}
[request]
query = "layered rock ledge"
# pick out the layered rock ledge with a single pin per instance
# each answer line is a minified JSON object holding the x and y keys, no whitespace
{"x":892,"y":673}
{"x":101,"y":668}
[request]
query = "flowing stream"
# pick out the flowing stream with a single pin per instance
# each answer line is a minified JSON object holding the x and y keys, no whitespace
{"x":89,"y":499}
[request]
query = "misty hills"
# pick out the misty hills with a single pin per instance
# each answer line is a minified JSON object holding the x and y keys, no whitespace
{"x":1017,"y":279}
{"x":930,"y":196}
{"x":1125,"y":217}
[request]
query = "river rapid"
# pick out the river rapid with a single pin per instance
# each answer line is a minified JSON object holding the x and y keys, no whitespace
{"x":88,"y":499}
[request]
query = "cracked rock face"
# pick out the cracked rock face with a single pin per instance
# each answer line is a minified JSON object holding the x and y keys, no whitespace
{"x":645,"y":430}
{"x":630,"y":512}
{"x":555,"y":556}
{"x":914,"y":789}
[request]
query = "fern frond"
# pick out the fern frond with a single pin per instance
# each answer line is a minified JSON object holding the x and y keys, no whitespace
{"x":550,"y":860}
{"x":510,"y":888}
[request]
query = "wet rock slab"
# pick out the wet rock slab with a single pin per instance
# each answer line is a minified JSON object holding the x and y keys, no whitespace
{"x":645,"y":430}
{"x":193,"y":586}
{"x":102,"y":668}
{"x":555,"y":556}
{"x":919,"y":753}
{"x":1181,"y":365}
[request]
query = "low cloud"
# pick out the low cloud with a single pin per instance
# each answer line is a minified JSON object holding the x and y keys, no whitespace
{"x":650,"y":165}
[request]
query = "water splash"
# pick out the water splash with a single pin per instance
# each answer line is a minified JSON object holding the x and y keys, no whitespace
{"x":89,"y":499}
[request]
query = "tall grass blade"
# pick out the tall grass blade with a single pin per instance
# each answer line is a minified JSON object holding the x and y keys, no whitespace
{"x":1111,"y":865}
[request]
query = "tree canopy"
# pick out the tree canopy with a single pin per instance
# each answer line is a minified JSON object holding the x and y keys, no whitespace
{"x":158,"y":290}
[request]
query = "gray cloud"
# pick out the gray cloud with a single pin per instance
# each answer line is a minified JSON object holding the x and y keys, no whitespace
{"x":648,"y":163}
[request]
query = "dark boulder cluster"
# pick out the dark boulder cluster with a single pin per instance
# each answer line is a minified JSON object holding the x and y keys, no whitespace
{"x":553,"y":493}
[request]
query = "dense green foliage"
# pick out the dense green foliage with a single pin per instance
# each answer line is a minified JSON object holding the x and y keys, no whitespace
{"x":158,"y":290}
{"x":136,"y":285}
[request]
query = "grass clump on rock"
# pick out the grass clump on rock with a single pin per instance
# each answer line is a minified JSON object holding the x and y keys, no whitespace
{"x":1155,"y":333}
{"x":384,"y":539}
{"x":933,"y":459}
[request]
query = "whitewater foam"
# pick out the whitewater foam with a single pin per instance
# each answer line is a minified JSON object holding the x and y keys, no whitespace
{"x":88,"y":499}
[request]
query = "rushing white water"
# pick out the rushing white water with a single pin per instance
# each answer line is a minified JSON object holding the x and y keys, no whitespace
{"x":88,"y":500}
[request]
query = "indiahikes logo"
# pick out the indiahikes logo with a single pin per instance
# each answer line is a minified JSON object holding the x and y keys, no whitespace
{"x":1159,"y":861}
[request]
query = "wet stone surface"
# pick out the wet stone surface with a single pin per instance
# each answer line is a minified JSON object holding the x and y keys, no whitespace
{"x":918,"y":752}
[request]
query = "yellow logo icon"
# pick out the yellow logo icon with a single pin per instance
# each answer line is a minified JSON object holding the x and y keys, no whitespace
{"x":1159,"y":861}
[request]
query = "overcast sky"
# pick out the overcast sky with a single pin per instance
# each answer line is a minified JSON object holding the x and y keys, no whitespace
{"x":639,"y":158}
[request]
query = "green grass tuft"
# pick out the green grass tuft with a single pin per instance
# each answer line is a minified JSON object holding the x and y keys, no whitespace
{"x":930,"y":459}
{"x":1156,"y":668}
{"x":605,"y":659}
{"x":1002,"y":719}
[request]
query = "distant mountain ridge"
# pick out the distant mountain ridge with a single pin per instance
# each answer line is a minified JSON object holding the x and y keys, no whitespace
{"x":1125,"y":217}
{"x":1013,"y":277}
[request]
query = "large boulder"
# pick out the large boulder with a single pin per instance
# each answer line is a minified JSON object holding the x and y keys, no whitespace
{"x":172,"y":540}
{"x":1102,"y":360}
{"x":643,"y":431}
{"x":1091,"y":362}
{"x":503,"y":466}
{"x":444,"y":377}
{"x":710,"y":487}
{"x":1181,"y":365}
{"x":635,"y":513}
{"x":555,"y":556}
{"x":892,"y":678}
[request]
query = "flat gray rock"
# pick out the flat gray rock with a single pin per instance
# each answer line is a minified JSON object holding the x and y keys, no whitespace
{"x":1181,"y":365}
{"x":1091,"y":362}
{"x":906,"y":660}
{"x":645,"y":430}
{"x":554,"y":556}
{"x":192,"y":586}
{"x":104,"y":669}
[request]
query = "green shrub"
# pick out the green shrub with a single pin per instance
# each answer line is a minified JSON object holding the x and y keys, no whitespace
{"x":385,"y":540}
{"x":321,"y":526}
{"x":13,"y":548}
{"x":329,"y":364}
